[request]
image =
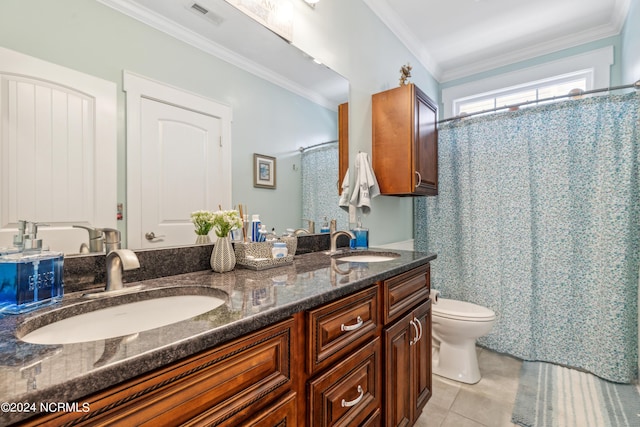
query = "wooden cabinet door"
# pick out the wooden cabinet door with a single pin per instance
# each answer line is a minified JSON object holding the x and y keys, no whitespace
{"x":408,"y":366}
{"x":405,"y":142}
{"x":343,"y":143}
{"x":398,"y":378}
{"x":422,"y":358}
{"x":425,"y":145}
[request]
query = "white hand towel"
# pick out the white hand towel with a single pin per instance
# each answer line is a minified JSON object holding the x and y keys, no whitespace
{"x":344,"y":197}
{"x":366,"y":184}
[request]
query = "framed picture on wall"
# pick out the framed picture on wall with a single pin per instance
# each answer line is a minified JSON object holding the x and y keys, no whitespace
{"x":264,"y":171}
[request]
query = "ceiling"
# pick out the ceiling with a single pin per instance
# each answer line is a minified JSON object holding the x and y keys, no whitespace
{"x":450,"y":38}
{"x":220,"y":29}
{"x":457,"y":38}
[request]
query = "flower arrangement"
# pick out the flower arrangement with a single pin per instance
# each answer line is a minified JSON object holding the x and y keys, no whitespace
{"x":221,"y":221}
{"x":225,"y":221}
{"x":203,"y":220}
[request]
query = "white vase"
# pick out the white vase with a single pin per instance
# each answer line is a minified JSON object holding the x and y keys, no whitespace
{"x":202,"y":239}
{"x":222,"y":257}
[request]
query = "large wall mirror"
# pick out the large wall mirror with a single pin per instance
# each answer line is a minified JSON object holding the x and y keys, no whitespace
{"x":281,"y":101}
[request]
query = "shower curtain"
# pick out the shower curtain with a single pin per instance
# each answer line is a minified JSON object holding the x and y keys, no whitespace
{"x":537,"y":218}
{"x":320,"y":187}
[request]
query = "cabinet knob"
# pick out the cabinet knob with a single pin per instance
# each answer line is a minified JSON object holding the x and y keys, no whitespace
{"x":347,"y":404}
{"x":347,"y":328}
{"x":419,"y":179}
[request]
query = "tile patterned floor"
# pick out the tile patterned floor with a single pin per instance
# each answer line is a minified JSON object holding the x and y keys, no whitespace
{"x":488,"y":403}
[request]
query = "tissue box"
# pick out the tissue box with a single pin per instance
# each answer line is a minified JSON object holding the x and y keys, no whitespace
{"x":29,"y":281}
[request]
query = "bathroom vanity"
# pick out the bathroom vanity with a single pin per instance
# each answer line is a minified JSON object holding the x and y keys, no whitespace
{"x":320,"y":342}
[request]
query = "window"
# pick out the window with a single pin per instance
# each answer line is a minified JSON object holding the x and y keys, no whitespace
{"x":541,"y":90}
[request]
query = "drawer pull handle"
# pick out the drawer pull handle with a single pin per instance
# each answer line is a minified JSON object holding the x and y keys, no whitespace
{"x":417,"y":337}
{"x":347,"y":328}
{"x":419,"y":179}
{"x":355,"y":401}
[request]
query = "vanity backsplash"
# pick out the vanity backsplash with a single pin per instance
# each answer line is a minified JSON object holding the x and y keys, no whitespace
{"x":83,"y":272}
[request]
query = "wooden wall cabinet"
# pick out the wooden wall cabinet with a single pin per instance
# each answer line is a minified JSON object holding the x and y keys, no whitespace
{"x":405,"y":142}
{"x":407,"y":347}
{"x":343,"y":143}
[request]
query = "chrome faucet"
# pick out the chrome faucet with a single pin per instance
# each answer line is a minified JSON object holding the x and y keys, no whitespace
{"x":96,"y":240}
{"x":310,"y":230}
{"x":111,"y":239}
{"x":334,"y":239}
{"x":119,"y":260}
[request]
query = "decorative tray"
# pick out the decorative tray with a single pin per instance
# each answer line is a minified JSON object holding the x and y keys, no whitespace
{"x":264,"y":263}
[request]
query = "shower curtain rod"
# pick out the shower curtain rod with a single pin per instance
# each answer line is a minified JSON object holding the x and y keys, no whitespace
{"x":302,"y":149}
{"x":635,"y":85}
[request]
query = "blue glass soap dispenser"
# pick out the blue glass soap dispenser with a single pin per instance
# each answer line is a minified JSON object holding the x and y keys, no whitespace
{"x":31,"y":276}
{"x":362,"y":237}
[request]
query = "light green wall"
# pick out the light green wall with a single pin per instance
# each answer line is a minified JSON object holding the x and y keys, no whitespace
{"x":631,"y":44}
{"x":350,"y":38}
{"x":92,"y":38}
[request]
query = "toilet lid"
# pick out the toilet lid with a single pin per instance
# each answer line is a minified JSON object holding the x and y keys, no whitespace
{"x":462,"y":310}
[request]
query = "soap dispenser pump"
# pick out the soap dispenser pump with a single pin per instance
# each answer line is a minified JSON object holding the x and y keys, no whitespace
{"x":31,"y":241}
{"x":31,"y":277}
{"x":362,"y":237}
{"x":324,"y":228}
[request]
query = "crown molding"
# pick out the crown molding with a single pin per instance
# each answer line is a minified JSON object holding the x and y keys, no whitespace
{"x":389,"y":18}
{"x":173,"y":29}
{"x":519,"y":55}
{"x":443,"y":74}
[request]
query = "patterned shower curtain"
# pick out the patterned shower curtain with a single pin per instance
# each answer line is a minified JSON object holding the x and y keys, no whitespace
{"x":320,"y":187}
{"x":538,"y":218}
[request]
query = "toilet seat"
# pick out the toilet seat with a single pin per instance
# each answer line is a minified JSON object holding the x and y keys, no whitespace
{"x":461,"y":310}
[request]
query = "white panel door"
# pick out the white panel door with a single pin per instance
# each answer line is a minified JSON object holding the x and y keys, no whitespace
{"x":181,"y":164}
{"x":57,"y":150}
{"x":178,"y":161}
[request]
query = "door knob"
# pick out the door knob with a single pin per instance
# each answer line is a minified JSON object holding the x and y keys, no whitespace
{"x":152,"y":236}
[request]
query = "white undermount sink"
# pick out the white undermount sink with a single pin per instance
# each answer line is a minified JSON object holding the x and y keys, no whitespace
{"x":123,"y":319}
{"x":368,"y":257}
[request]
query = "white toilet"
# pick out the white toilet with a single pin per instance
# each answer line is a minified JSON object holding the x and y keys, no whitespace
{"x":456,"y":327}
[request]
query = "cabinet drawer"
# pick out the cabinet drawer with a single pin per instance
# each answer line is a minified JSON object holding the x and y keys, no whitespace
{"x":336,"y":329}
{"x":401,"y":293}
{"x":280,"y":414}
{"x":349,"y":393}
{"x":243,"y":376}
{"x":374,"y":420}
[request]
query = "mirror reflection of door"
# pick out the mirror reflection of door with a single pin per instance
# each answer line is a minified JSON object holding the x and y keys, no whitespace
{"x":181,"y":157}
{"x":57,"y":151}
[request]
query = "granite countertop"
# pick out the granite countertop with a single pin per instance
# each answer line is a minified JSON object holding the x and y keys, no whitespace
{"x":253,"y":299}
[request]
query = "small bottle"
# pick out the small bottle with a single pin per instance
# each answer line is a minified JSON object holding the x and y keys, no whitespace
{"x":324,"y":228}
{"x":262,"y":236}
{"x":362,"y":237}
{"x":279,"y":250}
{"x":255,"y":228}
